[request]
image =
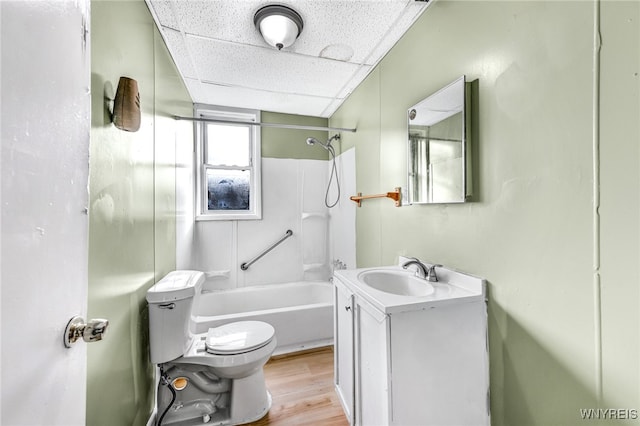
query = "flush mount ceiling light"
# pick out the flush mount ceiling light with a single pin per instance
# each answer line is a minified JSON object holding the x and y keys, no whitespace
{"x":279,"y":25}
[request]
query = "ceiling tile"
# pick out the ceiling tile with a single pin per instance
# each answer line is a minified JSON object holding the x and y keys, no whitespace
{"x":212,"y":94}
{"x":225,"y":61}
{"x":257,"y":67}
{"x":230,"y":20}
{"x":163,"y":12}
{"x":356,"y":24}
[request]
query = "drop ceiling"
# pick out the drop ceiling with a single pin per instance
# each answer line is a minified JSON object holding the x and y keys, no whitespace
{"x":224,"y":60}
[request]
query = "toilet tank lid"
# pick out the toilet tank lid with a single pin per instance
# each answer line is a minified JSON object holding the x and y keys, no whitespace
{"x":175,"y":285}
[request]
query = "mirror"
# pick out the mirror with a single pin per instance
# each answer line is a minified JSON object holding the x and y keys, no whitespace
{"x":439,"y":164}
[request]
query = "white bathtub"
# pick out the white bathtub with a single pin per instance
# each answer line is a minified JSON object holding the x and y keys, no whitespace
{"x":300,"y":312}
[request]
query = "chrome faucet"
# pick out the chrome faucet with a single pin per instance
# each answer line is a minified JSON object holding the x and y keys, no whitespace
{"x":424,"y":272}
{"x":421,"y":267}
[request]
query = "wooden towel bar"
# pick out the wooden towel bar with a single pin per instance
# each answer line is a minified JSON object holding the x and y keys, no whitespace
{"x":394,"y":195}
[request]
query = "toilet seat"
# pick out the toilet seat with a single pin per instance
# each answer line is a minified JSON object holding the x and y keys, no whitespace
{"x":238,"y":337}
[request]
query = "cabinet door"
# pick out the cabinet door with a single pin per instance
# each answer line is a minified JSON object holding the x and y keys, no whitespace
{"x":372,"y":365}
{"x":343,"y":353}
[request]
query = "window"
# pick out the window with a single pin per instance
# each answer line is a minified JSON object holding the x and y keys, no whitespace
{"x":229,"y":164}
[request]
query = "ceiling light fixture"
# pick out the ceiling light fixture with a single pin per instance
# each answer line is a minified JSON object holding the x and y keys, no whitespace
{"x":279,"y":25}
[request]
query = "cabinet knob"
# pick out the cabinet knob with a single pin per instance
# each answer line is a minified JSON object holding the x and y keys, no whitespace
{"x":347,"y":308}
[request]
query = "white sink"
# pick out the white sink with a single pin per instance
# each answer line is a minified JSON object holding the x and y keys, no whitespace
{"x":392,"y":289}
{"x":401,"y":283}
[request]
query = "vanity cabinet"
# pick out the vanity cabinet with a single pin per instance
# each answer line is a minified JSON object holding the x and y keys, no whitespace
{"x":426,"y":366}
{"x":371,"y":365}
{"x":343,"y":338}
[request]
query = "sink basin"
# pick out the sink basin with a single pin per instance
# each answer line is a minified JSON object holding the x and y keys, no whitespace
{"x":400,"y":283}
{"x":392,"y":289}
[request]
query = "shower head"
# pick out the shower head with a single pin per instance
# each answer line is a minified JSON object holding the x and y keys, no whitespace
{"x":313,"y":141}
{"x":327,"y":145}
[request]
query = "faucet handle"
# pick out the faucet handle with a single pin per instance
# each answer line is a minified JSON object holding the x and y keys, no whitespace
{"x":431,"y":273}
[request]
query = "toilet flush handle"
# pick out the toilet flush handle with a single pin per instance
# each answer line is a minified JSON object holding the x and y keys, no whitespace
{"x":167,"y":306}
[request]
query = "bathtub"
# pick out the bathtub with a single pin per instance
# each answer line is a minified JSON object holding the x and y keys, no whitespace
{"x":300,"y":312}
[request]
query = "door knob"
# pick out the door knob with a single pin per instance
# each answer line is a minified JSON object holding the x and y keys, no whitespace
{"x":91,"y":331}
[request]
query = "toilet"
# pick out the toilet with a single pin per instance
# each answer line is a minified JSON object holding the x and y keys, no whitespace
{"x":209,"y":378}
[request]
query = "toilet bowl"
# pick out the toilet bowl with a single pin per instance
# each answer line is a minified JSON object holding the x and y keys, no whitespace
{"x":217,"y":376}
{"x":233,"y":350}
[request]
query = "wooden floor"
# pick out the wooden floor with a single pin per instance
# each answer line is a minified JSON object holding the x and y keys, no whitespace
{"x":302,"y":389}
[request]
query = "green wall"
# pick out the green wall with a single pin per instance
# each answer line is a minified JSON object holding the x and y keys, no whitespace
{"x":291,"y":143}
{"x":132,"y":214}
{"x":563,"y":280}
{"x":619,"y":131}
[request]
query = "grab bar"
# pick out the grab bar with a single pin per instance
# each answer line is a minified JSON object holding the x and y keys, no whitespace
{"x":246,"y":265}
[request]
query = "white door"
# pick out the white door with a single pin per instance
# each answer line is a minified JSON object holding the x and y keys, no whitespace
{"x":45,"y":125}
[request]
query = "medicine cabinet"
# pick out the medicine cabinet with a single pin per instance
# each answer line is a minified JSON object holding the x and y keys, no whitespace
{"x":439,"y":154}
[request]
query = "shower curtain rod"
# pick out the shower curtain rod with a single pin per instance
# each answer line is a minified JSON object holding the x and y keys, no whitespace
{"x":426,"y":138}
{"x":281,"y":126}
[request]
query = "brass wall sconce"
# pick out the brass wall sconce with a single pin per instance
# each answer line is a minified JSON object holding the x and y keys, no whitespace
{"x":126,"y":105}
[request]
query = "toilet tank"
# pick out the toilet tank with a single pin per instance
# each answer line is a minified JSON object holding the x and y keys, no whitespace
{"x":170,"y":301}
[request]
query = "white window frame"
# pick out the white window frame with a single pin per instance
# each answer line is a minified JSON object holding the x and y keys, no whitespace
{"x":255,"y":198}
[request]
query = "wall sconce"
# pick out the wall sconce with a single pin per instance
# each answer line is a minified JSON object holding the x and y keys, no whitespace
{"x":126,"y":105}
{"x":279,"y":25}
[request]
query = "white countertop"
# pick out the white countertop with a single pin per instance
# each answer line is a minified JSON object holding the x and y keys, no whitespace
{"x":452,"y":287}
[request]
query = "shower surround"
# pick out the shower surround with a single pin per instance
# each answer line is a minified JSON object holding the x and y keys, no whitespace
{"x":293,"y":193}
